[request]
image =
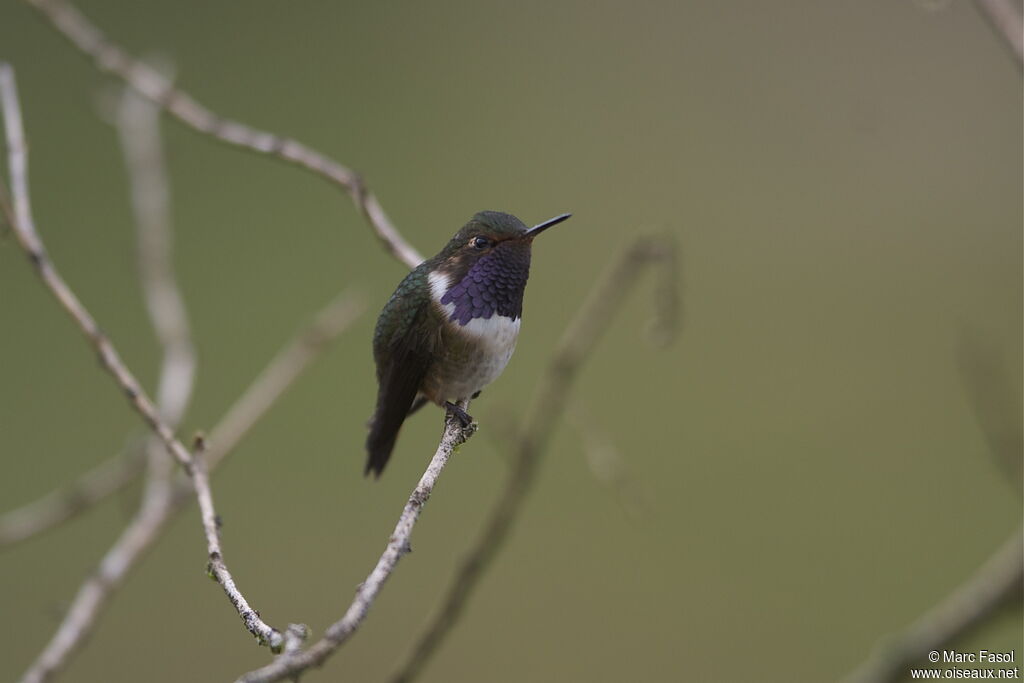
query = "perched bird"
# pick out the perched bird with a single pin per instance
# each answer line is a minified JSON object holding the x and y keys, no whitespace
{"x":451,"y":325}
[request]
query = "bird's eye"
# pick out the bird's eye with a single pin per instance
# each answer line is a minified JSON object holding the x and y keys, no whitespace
{"x":480,"y":242}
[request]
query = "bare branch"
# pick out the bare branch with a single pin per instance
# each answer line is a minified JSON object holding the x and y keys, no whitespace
{"x":547,"y":407}
{"x":147,"y":526}
{"x":1005,"y":19}
{"x":69,"y":501}
{"x":138,"y":126}
{"x":111,"y":58}
{"x":996,"y":584}
{"x":293,"y":662}
{"x":113,"y":475}
{"x":137,"y":122}
{"x":24,"y":228}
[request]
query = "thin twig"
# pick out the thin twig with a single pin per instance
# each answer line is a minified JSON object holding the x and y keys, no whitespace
{"x":547,"y":407}
{"x":250,"y":407}
{"x":25,"y":231}
{"x":138,"y":128}
{"x":111,"y":58}
{"x":1005,"y":19}
{"x":24,"y":228}
{"x":292,"y":663}
{"x":575,"y":347}
{"x":997,"y":583}
{"x":67,"y":502}
{"x":76,"y":28}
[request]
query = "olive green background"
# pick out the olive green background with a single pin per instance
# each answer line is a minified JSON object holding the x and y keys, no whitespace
{"x":805,"y":472}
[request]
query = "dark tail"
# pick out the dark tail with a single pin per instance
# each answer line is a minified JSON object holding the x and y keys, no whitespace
{"x":379,"y":445}
{"x":384,"y":428}
{"x":399,"y":385}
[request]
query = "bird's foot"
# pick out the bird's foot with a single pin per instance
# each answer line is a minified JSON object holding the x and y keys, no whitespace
{"x":464,"y":418}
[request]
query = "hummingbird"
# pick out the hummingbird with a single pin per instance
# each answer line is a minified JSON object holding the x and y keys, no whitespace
{"x":451,"y":325}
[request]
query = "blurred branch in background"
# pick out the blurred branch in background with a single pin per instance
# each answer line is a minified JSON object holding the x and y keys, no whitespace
{"x":251,"y":406}
{"x":160,"y":498}
{"x":111,"y":58}
{"x":24,"y":228}
{"x":1006,"y":19}
{"x":294,"y":661}
{"x":546,"y":410}
{"x":996,"y":406}
{"x":998,"y":584}
{"x":136,"y":121}
{"x":138,"y":129}
{"x":606,"y":463}
{"x":306,"y":346}
{"x":68,"y":502}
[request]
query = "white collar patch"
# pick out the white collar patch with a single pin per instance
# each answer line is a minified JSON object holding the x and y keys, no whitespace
{"x":440,"y":283}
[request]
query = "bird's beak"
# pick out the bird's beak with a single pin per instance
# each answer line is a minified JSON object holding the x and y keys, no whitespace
{"x":541,"y":227}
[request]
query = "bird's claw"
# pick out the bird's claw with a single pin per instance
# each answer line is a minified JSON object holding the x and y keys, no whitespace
{"x":454,"y":409}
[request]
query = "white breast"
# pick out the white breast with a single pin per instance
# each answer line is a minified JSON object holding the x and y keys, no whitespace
{"x":497,"y":336}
